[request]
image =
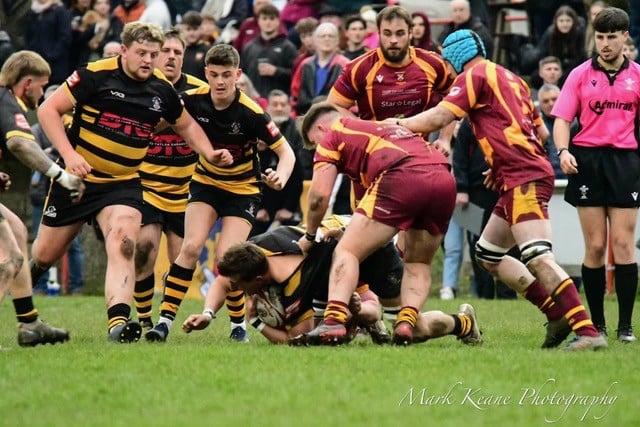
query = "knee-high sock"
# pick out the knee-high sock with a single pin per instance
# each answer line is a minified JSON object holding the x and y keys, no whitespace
{"x":566,"y":295}
{"x":143,"y":297}
{"x":594,"y":280}
{"x":626,"y":277}
{"x":176,"y":286}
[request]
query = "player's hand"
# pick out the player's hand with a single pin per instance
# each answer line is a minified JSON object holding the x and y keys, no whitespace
{"x":5,"y":181}
{"x":305,"y":245}
{"x":265,"y":69}
{"x":488,"y":180}
{"x":568,"y":163}
{"x":77,"y":165}
{"x":221,"y":157}
{"x":263,"y":216}
{"x":251,"y":306}
{"x":72,"y":183}
{"x":442,"y":146}
{"x":283,"y":215}
{"x":334,"y":234}
{"x":462,"y":200}
{"x":196,"y":322}
{"x":272,"y":179}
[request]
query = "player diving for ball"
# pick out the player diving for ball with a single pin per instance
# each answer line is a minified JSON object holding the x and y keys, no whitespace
{"x":274,"y":258}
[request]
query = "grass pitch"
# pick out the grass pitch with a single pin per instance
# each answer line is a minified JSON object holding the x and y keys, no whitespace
{"x":202,"y":379}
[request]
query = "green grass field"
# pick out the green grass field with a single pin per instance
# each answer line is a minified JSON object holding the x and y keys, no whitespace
{"x":202,"y":379}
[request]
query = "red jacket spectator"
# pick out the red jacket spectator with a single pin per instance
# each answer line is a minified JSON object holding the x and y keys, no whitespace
{"x":129,"y":11}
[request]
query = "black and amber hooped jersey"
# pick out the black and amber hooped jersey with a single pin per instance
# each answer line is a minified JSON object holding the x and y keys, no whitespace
{"x":115,"y":115}
{"x":169,"y":164}
{"x":236,"y":128}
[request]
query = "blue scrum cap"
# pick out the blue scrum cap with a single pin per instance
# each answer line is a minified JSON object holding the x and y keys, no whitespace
{"x":461,"y":47}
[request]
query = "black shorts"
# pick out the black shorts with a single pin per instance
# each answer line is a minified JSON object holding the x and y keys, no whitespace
{"x":59,"y":211}
{"x":382,"y":271}
{"x":606,"y":177}
{"x":170,"y":221}
{"x":224,"y":202}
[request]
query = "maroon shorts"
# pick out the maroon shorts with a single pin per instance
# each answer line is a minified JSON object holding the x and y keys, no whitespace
{"x":525,"y":202}
{"x":418,"y":196}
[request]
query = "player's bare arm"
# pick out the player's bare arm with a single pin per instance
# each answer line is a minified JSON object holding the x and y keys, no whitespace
{"x":286,"y":160}
{"x":324,"y":177}
{"x":343,"y":107}
{"x":561,"y":135}
{"x":50,"y":116}
{"x":427,"y":121}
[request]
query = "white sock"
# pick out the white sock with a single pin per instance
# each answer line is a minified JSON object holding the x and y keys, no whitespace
{"x":166,"y":321}
{"x":233,"y":325}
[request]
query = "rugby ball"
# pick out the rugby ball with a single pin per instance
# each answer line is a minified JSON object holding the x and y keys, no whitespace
{"x":269,"y":306}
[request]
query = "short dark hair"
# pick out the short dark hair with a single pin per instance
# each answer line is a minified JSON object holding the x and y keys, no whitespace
{"x":354,"y":18}
{"x":277,"y":92}
{"x":392,"y":12}
{"x":222,"y":54}
{"x":315,"y":112}
{"x":549,"y":60}
{"x":192,"y":19}
{"x":306,"y":25}
{"x":244,"y":261}
{"x":141,"y":32}
{"x":610,"y":20}
{"x":175,"y":33}
{"x":268,"y":10}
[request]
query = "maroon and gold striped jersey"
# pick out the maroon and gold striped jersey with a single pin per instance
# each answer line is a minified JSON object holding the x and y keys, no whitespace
{"x":382,"y":90}
{"x":363,"y":149}
{"x":504,"y":121}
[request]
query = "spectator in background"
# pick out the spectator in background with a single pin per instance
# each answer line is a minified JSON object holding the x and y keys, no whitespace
{"x":6,"y":48}
{"x":372,"y":37}
{"x":564,"y":39}
{"x":630,"y":50}
{"x":296,"y":10}
{"x":634,"y":16}
{"x":249,"y":29}
{"x":196,"y":49}
{"x":283,"y":206}
{"x":461,"y":18}
{"x":268,"y":59}
{"x":209,"y":30}
{"x":355,"y":32}
{"x":129,"y":10}
{"x":157,"y":12}
{"x":38,"y":194}
{"x":111,"y":49}
{"x":49,"y":34}
{"x":549,"y":72}
{"x":245,"y":84}
{"x":14,"y":18}
{"x":547,"y":97}
{"x":319,"y":72}
{"x":589,"y":41}
{"x":421,"y":31}
{"x":101,"y":28}
{"x":304,"y":28}
{"x":227,"y":11}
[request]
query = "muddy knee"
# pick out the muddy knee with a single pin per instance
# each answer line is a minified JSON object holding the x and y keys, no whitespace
{"x":143,"y":251}
{"x":10,"y":267}
{"x":127,"y":248}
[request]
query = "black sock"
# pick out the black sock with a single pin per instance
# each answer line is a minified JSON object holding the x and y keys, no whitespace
{"x":143,"y":296}
{"x":594,"y":280}
{"x":25,"y":311}
{"x":626,"y":279}
{"x":118,"y":314}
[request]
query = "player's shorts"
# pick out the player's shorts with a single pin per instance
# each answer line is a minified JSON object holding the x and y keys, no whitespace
{"x":382,"y":271}
{"x":412,"y":195}
{"x":224,"y":202}
{"x":170,"y":221}
{"x":606,"y":177}
{"x":60,"y":211}
{"x":526,"y":202}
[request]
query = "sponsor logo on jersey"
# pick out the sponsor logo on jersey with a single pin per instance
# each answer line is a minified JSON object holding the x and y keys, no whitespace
{"x":273,"y":129}
{"x":156,"y":104}
{"x":21,"y":121}
{"x":73,"y":79}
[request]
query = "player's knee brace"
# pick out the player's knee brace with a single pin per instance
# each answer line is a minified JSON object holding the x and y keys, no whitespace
{"x":127,"y":248}
{"x":533,"y":249}
{"x":487,"y":252}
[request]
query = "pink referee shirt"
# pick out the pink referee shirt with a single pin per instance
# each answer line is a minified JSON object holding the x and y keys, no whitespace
{"x":607,"y":108}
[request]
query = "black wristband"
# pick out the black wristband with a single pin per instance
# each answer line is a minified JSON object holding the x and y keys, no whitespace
{"x":310,"y":237}
{"x":257,"y":323}
{"x":561,"y":149}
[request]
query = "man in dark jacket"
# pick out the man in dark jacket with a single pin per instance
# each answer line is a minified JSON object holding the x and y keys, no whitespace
{"x":461,"y":19}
